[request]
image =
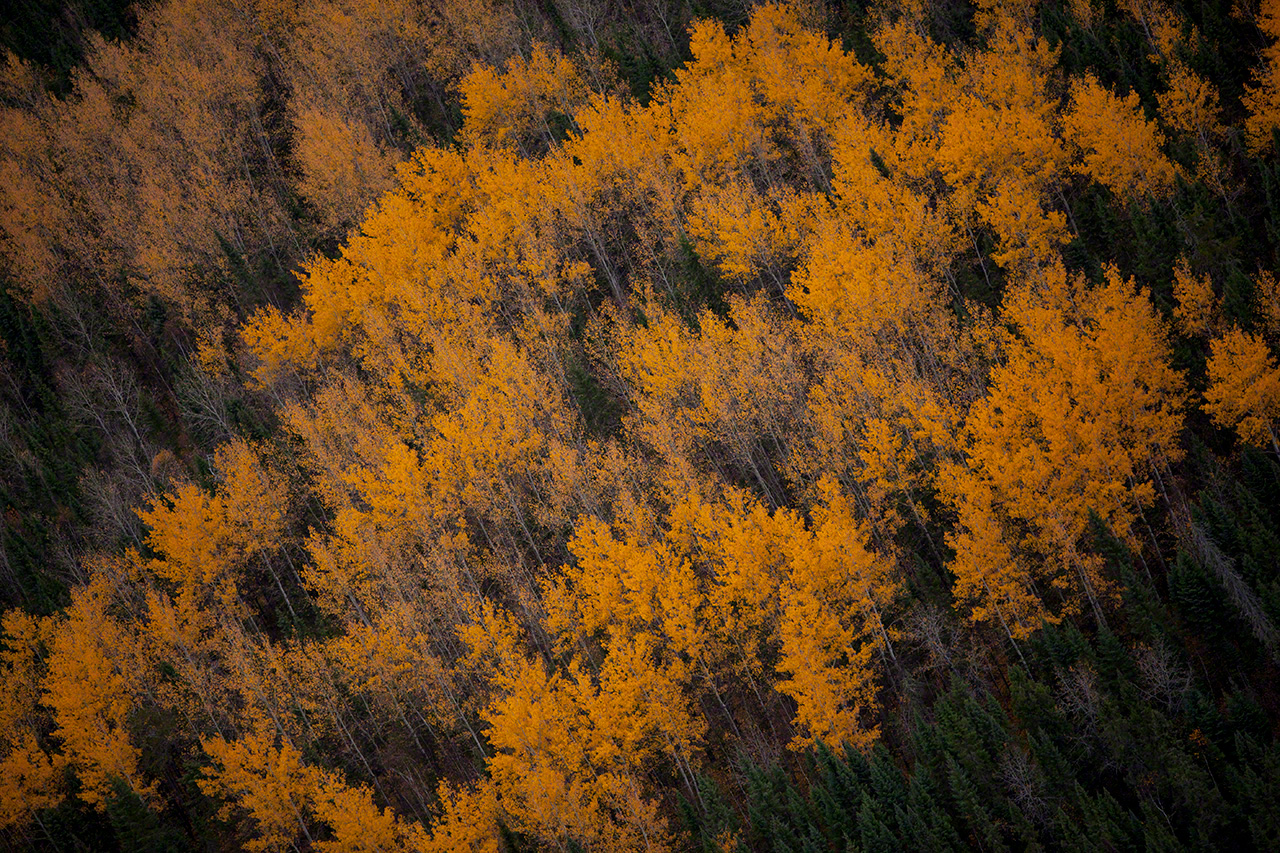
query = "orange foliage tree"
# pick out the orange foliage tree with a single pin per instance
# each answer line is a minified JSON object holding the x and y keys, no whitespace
{"x":1084,"y":405}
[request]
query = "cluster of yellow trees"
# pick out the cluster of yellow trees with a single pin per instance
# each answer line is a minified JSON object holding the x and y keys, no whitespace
{"x":166,"y":159}
{"x":587,"y":612}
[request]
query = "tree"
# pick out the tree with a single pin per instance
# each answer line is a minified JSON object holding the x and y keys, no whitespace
{"x":719,"y":394}
{"x":344,"y":167}
{"x":288,"y":798}
{"x":996,"y":148}
{"x":1121,"y":148}
{"x":1190,"y":105}
{"x":517,"y":107}
{"x":877,"y":194}
{"x":1196,"y":305}
{"x":833,"y":625}
{"x":885,"y":353}
{"x":1262,"y":99}
{"x":747,"y":548}
{"x":551,"y":773}
{"x":1266,"y":300}
{"x":93,"y":678}
{"x":271,"y":783}
{"x":468,"y":821}
{"x":1244,"y":386}
{"x":1085,"y":402}
{"x":30,"y":778}
{"x":645,"y":604}
{"x":748,"y":235}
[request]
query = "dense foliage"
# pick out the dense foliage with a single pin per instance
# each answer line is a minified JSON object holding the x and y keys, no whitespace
{"x":590,"y":426}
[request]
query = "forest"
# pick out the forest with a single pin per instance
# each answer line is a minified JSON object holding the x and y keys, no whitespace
{"x":640,"y":425}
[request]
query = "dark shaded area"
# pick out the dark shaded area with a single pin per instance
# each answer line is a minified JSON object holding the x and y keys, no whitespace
{"x":52,"y":32}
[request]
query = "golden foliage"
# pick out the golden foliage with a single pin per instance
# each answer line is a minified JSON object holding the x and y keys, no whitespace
{"x":468,"y":821}
{"x":1197,"y":306}
{"x":30,"y":778}
{"x":1084,"y":403}
{"x":831,"y":628}
{"x":725,"y":518}
{"x":1262,"y":98}
{"x":285,"y":797}
{"x":515,"y":108}
{"x":1190,"y":104}
{"x":1244,"y":386}
{"x":343,"y":165}
{"x":1121,"y":147}
{"x":90,"y":688}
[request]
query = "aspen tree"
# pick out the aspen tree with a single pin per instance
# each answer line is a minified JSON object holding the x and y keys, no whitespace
{"x":344,"y":167}
{"x":1190,"y":105}
{"x":468,"y":821}
{"x":1121,"y":148}
{"x":36,"y":218}
{"x":190,"y":535}
{"x":926,"y":78}
{"x":884,"y":207}
{"x":205,"y":541}
{"x":1266,"y":299}
{"x":204,"y":181}
{"x":1196,"y":305}
{"x":359,"y":61}
{"x":188,"y":638}
{"x":626,"y":170}
{"x":992,"y":578}
{"x":404,"y":670}
{"x":357,"y":823}
{"x":30,"y":778}
{"x":557,"y":773}
{"x":91,"y":686}
{"x":1244,"y":386}
{"x":288,"y":799}
{"x":1160,"y":24}
{"x":1085,"y":402}
{"x":727,"y":387}
{"x":741,"y":545}
{"x":513,"y":108}
{"x":271,"y":783}
{"x":997,"y":148}
{"x":808,"y":79}
{"x":1262,"y":98}
{"x":861,"y":295}
{"x":536,"y":731}
{"x":812,"y":598}
{"x":885,"y":352}
{"x":832,"y":625}
{"x":748,"y":235}
{"x":719,"y":124}
{"x":647,"y":603}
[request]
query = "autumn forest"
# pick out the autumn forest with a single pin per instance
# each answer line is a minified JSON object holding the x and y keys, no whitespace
{"x":640,"y":425}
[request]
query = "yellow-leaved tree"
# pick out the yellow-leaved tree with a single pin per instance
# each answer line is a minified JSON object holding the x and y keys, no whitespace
{"x":1083,"y":408}
{"x":1196,"y":306}
{"x":289,"y":799}
{"x":834,"y":625}
{"x":30,"y":778}
{"x":1244,"y":386}
{"x":95,"y":673}
{"x":1262,"y":98}
{"x":1121,"y":148}
{"x":558,"y":770}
